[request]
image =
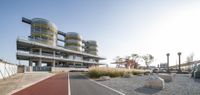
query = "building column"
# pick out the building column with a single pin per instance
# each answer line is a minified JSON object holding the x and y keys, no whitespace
{"x":39,"y":62}
{"x":30,"y":62}
{"x":30,"y":65}
{"x":54,"y":63}
{"x":179,"y":65}
{"x":54,"y":53}
{"x":40,"y":51}
{"x":168,"y":62}
{"x":74,"y":64}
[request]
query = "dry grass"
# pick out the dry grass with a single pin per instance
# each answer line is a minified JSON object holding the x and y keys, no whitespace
{"x":96,"y":72}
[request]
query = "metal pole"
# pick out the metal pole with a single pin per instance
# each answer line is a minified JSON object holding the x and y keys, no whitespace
{"x":179,"y":66}
{"x":167,"y":62}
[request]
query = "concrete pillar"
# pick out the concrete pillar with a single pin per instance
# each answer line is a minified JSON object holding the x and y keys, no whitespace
{"x":179,"y":65}
{"x":30,"y":68}
{"x":30,"y":62}
{"x":167,"y":62}
{"x":39,"y":62}
{"x":74,"y":64}
{"x":54,"y":53}
{"x":54,"y":63}
{"x":40,"y":51}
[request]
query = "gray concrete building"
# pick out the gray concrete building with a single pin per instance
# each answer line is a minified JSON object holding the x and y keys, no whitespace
{"x":42,"y":47}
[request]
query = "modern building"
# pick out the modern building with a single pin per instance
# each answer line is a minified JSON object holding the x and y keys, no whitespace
{"x":42,"y":47}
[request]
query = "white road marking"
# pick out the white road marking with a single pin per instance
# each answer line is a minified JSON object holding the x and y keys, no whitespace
{"x":69,"y":88}
{"x":104,"y":86}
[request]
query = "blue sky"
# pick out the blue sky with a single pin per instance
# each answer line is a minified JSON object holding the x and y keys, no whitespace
{"x":121,"y":27}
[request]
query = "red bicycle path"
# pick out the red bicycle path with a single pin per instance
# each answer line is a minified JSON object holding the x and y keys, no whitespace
{"x":55,"y":85}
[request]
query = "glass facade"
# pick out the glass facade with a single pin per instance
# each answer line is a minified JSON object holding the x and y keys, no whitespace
{"x":91,"y":47}
{"x":43,"y":31}
{"x":73,"y":41}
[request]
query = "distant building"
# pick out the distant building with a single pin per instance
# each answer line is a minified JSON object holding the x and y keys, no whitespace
{"x":163,"y":65}
{"x":42,"y":47}
{"x":152,"y":67}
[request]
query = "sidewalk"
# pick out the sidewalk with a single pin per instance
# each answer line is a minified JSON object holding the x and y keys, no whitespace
{"x":55,"y":85}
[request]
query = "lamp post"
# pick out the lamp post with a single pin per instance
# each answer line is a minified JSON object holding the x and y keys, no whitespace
{"x":179,"y":65}
{"x":168,"y":62}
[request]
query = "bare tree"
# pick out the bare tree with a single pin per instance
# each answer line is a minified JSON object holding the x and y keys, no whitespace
{"x":148,"y":58}
{"x":135,"y":56}
{"x":135,"y":59}
{"x":119,"y":60}
{"x":190,"y":57}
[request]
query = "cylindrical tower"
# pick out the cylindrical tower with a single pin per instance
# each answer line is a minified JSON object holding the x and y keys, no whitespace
{"x":91,"y":47}
{"x":73,"y":41}
{"x":43,"y":31}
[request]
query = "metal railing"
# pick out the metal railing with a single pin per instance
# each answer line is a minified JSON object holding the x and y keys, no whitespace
{"x":35,"y":68}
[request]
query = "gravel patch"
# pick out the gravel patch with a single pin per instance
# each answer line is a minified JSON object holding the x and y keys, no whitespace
{"x":181,"y":84}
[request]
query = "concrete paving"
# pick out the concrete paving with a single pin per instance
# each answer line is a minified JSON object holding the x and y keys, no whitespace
{"x":83,"y":86}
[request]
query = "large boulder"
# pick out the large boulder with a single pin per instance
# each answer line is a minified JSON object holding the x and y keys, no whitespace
{"x":197,"y":72}
{"x":166,"y":77}
{"x":104,"y":78}
{"x":155,"y":83}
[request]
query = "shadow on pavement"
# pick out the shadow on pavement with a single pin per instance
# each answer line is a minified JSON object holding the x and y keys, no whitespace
{"x":197,"y":80}
{"x":147,"y":90}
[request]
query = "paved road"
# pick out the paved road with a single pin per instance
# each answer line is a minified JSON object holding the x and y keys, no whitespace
{"x":55,"y":85}
{"x":82,"y":86}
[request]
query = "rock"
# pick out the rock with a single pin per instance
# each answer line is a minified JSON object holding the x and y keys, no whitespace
{"x":104,"y":78}
{"x":155,"y":83}
{"x":166,"y":77}
{"x":128,"y":75}
{"x":192,"y":74}
{"x":197,"y":72}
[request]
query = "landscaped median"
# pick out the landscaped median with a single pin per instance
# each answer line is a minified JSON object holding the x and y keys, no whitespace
{"x":97,"y":72}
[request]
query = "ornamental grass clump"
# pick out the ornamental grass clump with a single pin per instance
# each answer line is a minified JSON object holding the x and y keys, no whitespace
{"x":137,"y":72}
{"x":96,"y":72}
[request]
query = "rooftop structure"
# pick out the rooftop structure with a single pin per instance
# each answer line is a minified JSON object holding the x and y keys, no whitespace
{"x":42,"y":47}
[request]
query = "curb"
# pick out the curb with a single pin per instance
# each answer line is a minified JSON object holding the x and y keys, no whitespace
{"x":30,"y":84}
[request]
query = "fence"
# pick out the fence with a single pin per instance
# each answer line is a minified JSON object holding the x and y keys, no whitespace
{"x":64,"y":69}
{"x":41,"y":68}
{"x":7,"y":70}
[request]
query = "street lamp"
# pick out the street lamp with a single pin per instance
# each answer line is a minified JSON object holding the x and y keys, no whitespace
{"x":168,"y":62}
{"x":179,"y":57}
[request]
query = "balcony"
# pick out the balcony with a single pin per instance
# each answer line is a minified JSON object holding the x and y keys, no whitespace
{"x":28,"y":55}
